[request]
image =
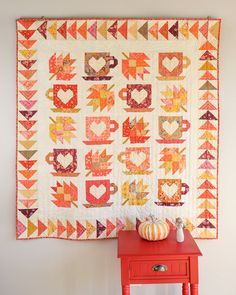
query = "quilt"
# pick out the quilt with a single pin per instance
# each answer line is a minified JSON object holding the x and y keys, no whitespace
{"x":116,"y":119}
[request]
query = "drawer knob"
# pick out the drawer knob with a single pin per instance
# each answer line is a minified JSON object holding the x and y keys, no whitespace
{"x":159,"y":267}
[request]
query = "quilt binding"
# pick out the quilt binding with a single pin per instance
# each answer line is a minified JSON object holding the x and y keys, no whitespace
{"x":18,"y":233}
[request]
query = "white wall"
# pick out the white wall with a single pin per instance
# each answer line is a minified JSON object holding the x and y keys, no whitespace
{"x":59,"y":267}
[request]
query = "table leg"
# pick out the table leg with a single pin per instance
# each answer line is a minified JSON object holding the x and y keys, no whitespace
{"x":185,"y":290}
{"x":194,"y":289}
{"x":126,"y":290}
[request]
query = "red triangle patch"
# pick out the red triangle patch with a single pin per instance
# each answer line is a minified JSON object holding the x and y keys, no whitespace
{"x":80,"y":229}
{"x":63,"y":30}
{"x":206,"y":214}
{"x":28,"y":163}
{"x":60,"y":228}
{"x":207,"y":76}
{"x":26,"y":23}
{"x":123,"y":29}
{"x":27,"y":33}
{"x":207,"y":185}
{"x":41,"y":227}
{"x":72,"y":30}
{"x":110,"y":227}
{"x":206,"y":195}
{"x":27,"y":124}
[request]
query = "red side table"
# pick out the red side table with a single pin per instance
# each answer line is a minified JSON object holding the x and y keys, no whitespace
{"x":162,"y":262}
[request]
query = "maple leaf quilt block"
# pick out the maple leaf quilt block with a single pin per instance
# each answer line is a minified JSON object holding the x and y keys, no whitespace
{"x":116,"y":119}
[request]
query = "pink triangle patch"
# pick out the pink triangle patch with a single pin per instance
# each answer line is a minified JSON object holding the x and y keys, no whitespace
{"x":119,"y":225}
{"x":28,"y":104}
{"x":93,"y":30}
{"x":20,"y":228}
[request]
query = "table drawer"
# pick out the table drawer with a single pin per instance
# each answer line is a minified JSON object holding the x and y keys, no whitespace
{"x":154,"y":268}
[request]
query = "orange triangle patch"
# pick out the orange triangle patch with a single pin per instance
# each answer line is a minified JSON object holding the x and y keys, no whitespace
{"x":195,"y":29}
{"x":69,"y":229}
{"x":82,"y":30}
{"x":60,"y":228}
{"x":154,"y":30}
{"x":27,"y":43}
{"x":28,"y":74}
{"x":164,"y":30}
{"x":207,"y":46}
{"x":27,"y":173}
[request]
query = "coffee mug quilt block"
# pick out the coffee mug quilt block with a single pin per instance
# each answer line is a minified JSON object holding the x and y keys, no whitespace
{"x":116,"y":119}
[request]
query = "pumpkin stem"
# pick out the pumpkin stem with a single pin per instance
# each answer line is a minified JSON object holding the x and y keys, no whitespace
{"x":152,"y":218}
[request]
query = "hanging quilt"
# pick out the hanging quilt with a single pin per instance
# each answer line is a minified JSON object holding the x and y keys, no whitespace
{"x":116,"y":119}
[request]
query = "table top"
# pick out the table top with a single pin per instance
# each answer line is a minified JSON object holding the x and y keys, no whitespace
{"x":131,"y":244}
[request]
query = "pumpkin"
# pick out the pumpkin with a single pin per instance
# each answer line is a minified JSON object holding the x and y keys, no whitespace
{"x":153,"y":229}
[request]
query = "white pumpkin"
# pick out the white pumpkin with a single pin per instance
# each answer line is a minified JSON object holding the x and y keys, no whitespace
{"x":153,"y":229}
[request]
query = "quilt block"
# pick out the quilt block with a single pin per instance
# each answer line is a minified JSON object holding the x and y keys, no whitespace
{"x":116,"y":119}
